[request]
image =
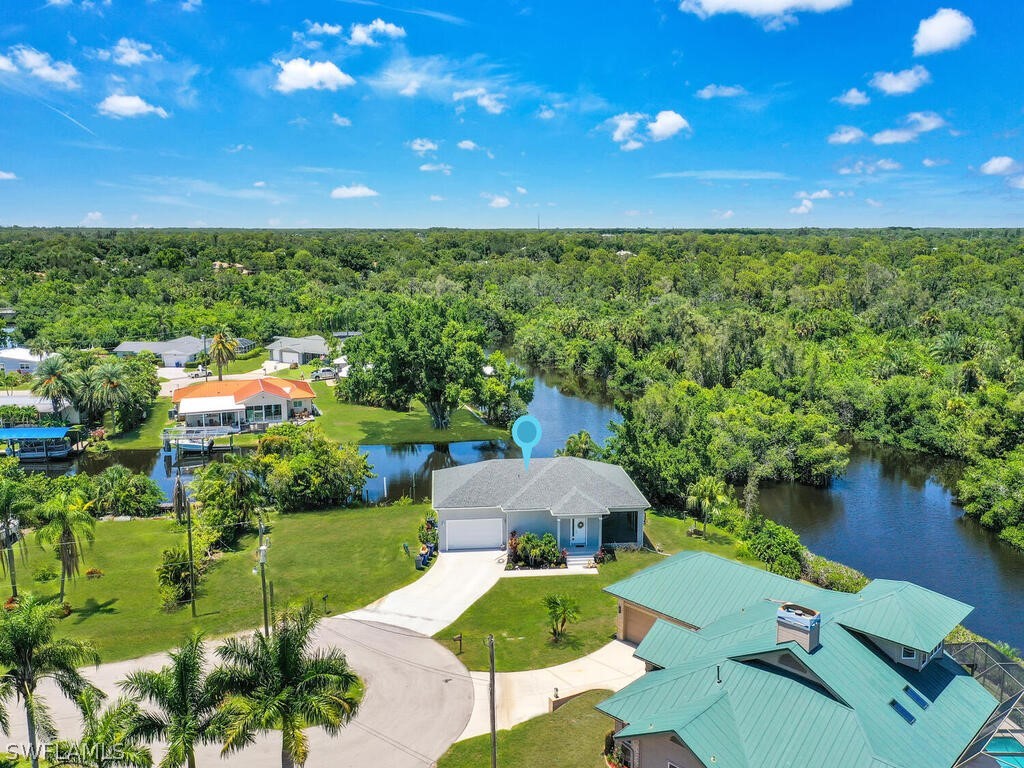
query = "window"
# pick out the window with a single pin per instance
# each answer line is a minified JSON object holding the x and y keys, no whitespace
{"x":909,"y":654}
{"x":626,"y":754}
{"x":260,"y":413}
{"x":916,"y":697}
{"x":903,"y":712}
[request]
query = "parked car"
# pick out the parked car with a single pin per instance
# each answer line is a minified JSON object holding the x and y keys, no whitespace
{"x":323,"y":373}
{"x":199,"y":373}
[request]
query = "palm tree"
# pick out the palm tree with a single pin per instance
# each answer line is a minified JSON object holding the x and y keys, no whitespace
{"x":64,"y":521}
{"x":562,"y":610}
{"x":106,"y":388}
{"x":55,"y":379}
{"x":108,"y":736}
{"x":279,"y":683}
{"x":223,"y":349}
{"x":708,"y":496}
{"x":12,"y":503}
{"x":29,"y":654}
{"x":184,"y":703}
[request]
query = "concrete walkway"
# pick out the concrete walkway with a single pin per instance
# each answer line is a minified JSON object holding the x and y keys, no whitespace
{"x":454,"y":582}
{"x":521,"y":696}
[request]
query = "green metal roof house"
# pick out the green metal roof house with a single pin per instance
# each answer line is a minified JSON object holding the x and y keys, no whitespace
{"x":748,"y":669}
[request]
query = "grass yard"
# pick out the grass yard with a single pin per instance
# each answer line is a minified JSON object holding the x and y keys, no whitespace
{"x":245,"y":364}
{"x":570,"y":737}
{"x":513,"y":609}
{"x":357,"y":558}
{"x":148,"y":433}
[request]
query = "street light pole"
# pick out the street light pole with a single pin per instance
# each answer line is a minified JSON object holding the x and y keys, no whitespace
{"x":494,"y":731}
{"x":11,"y":529}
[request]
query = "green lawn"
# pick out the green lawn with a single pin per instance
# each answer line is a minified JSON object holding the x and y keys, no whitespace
{"x":570,"y":737}
{"x":353,"y":556}
{"x":244,"y":365}
{"x":148,"y":434}
{"x":513,"y":609}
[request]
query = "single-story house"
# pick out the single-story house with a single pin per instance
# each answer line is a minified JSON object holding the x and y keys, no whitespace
{"x":174,"y":353}
{"x":749,"y":669}
{"x":43,"y":406}
{"x":243,"y":403}
{"x":343,"y":336}
{"x":583,"y":503}
{"x":19,"y":360}
{"x":297,"y":349}
{"x":244,"y":345}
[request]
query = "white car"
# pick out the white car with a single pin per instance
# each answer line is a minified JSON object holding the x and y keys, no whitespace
{"x":198,"y":373}
{"x":323,"y":373}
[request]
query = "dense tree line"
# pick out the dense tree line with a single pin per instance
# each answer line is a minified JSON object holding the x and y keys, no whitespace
{"x":777,"y":342}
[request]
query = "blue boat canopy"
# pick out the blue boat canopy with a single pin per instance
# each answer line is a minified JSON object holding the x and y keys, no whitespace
{"x":33,"y":433}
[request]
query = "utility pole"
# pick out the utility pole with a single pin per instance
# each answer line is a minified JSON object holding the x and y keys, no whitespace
{"x":494,"y":732}
{"x":191,"y":561}
{"x":12,"y":527}
{"x":263,"y":580}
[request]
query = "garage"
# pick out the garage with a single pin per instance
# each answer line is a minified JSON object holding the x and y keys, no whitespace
{"x":483,"y":533}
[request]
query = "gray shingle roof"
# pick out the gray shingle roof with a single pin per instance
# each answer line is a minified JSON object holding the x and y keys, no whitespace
{"x":310,"y":345}
{"x":563,"y":485}
{"x":183,"y":344}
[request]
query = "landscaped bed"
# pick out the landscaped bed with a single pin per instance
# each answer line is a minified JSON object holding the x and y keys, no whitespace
{"x":354,"y":556}
{"x":570,"y":737}
{"x":513,"y":610}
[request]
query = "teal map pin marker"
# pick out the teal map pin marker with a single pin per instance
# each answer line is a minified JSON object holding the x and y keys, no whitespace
{"x":526,"y":434}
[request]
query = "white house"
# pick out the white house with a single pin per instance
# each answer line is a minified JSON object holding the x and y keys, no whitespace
{"x":19,"y":360}
{"x":582,"y":503}
{"x":43,"y":406}
{"x":243,"y":403}
{"x":297,"y":349}
{"x":174,"y":353}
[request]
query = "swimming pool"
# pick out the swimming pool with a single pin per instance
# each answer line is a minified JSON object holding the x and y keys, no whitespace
{"x":1007,"y":751}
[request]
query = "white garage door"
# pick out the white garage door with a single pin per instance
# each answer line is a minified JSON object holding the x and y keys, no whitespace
{"x":487,"y":533}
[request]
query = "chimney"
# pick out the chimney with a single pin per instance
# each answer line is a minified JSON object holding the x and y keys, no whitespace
{"x":794,"y":623}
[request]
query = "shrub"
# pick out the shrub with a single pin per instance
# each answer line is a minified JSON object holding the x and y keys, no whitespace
{"x":428,"y":529}
{"x":94,"y":573}
{"x":119,"y":491}
{"x":538,"y":551}
{"x":45,"y":573}
{"x":831,"y":575}
{"x":174,"y":578}
{"x":1014,"y":536}
{"x":562,"y":610}
{"x":787,"y":566}
{"x":773,"y":541}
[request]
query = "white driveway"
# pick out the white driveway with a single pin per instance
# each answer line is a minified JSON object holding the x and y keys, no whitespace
{"x":454,"y":582}
{"x":179,"y":377}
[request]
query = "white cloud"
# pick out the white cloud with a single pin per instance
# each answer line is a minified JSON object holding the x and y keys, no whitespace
{"x":724,"y":215}
{"x":546,"y":112}
{"x":130,"y":53}
{"x":422,"y":146}
{"x":118,"y":105}
{"x":468,"y":145}
{"x":236,"y":148}
{"x":902,"y":82}
{"x":934,"y":162}
{"x":624,"y":125}
{"x":916,"y":124}
{"x":7,"y":176}
{"x":91,"y":219}
{"x":259,"y":184}
{"x":873,"y":203}
{"x":352,"y":192}
{"x":437,"y":168}
{"x":1017,"y":182}
{"x":436,"y":198}
{"x":6,"y":65}
{"x":191,"y":5}
{"x":947,"y":29}
{"x":715,"y":91}
{"x":521,"y":190}
{"x":667,"y":124}
{"x":846,"y":134}
{"x":821,"y":194}
{"x":338,"y":120}
{"x":490,"y":102}
{"x":805,"y":207}
{"x":367,"y":34}
{"x":854,"y":97}
{"x":497,"y":201}
{"x":863,"y":167}
{"x":318,"y":28}
{"x":774,"y":14}
{"x":999,"y":166}
{"x":41,"y":65}
{"x":302,"y":74}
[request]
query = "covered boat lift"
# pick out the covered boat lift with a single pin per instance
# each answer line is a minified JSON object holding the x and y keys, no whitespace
{"x":39,"y":443}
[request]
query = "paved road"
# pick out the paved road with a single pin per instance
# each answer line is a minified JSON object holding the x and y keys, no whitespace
{"x":178,"y":377}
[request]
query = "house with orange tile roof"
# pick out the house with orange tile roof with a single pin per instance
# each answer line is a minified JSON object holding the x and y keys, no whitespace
{"x":243,"y":404}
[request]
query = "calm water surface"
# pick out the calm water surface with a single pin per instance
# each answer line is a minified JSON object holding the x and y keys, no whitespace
{"x":891,"y":516}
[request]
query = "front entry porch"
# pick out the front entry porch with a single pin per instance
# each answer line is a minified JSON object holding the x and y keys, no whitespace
{"x":579,"y":535}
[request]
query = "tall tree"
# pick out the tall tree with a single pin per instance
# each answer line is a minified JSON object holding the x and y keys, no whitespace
{"x":105,"y":389}
{"x":65,"y":521}
{"x":223,"y":349}
{"x":280,"y":684}
{"x":56,"y":380}
{"x":183,"y":703}
{"x":29,"y":654}
{"x":709,"y":496}
{"x":109,"y":738}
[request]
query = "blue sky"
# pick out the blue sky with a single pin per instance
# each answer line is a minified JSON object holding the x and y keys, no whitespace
{"x":647,"y":113}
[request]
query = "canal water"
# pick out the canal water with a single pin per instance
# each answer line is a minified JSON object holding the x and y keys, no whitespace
{"x":892,"y":515}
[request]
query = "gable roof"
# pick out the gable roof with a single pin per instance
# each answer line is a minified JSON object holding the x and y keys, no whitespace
{"x":242,"y":389}
{"x":310,"y":345}
{"x":563,"y":485}
{"x":185,"y":345}
{"x":840,"y":713}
